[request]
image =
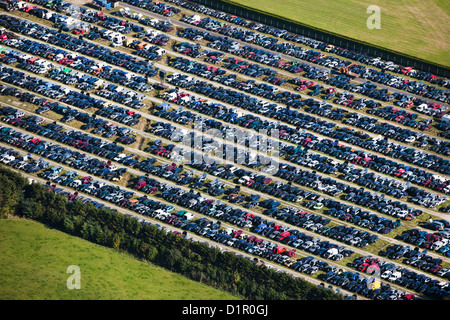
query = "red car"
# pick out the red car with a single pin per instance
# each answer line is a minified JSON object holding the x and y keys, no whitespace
{"x":399,"y":172}
{"x":152,"y":190}
{"x":66,"y":61}
{"x":79,"y":31}
{"x":362,"y":267}
{"x":249,"y":183}
{"x":279,"y":249}
{"x":407,"y":104}
{"x":72,"y":197}
{"x":171,"y":167}
{"x":35,"y":140}
{"x":302,"y":214}
{"x":14,"y":121}
{"x":406,"y":70}
{"x":366,"y":161}
{"x":249,"y":216}
{"x":283,"y":235}
{"x":83,"y":144}
{"x":87,"y":179}
{"x":160,"y":150}
{"x":290,"y":253}
{"x":277,"y":227}
{"x":306,"y":141}
{"x":140,"y":184}
{"x":101,"y":15}
{"x":236,"y":234}
{"x":436,"y":268}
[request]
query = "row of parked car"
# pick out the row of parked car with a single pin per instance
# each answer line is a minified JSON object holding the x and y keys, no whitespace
{"x":268,"y":110}
{"x":400,"y":100}
{"x":388,"y":271}
{"x":61,"y":154}
{"x":290,"y":193}
{"x":413,"y":257}
{"x":250,"y":52}
{"x":323,"y":109}
{"x":156,"y":6}
{"x":266,"y":36}
{"x":186,"y":100}
{"x":123,"y":134}
{"x":428,"y":240}
{"x":164,"y":26}
{"x":286,"y":235}
{"x":365,"y":286}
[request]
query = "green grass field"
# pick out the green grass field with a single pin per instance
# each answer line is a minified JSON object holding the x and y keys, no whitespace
{"x":34,"y":260}
{"x":414,"y":27}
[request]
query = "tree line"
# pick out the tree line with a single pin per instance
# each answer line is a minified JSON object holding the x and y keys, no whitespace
{"x":195,"y":260}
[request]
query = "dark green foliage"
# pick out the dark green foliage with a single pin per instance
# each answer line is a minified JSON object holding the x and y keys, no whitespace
{"x":11,"y":186}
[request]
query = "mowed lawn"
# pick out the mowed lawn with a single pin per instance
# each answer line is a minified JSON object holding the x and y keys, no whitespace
{"x":420,"y":28}
{"x":34,"y":261}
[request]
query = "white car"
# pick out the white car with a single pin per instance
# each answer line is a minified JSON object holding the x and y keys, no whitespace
{"x":442,"y":272}
{"x":395,"y":276}
{"x":386,"y":274}
{"x":297,"y":243}
{"x":437,"y":245}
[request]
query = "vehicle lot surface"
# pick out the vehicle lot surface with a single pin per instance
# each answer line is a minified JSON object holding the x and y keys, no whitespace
{"x":325,"y":193}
